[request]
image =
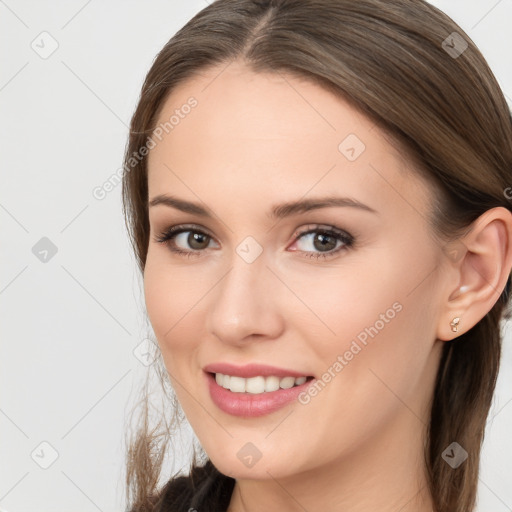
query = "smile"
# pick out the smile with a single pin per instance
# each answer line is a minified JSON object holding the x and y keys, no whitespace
{"x":258,"y":401}
{"x":257,"y":385}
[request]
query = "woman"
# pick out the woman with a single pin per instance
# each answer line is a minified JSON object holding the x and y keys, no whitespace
{"x":316,"y":196}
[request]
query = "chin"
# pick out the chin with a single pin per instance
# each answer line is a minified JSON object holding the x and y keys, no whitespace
{"x":261,"y":469}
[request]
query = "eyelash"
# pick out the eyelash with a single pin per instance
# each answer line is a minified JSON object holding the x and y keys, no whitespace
{"x":168,"y":235}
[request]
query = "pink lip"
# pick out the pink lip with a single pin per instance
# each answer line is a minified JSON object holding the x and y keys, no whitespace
{"x":250,"y":405}
{"x":251,"y":370}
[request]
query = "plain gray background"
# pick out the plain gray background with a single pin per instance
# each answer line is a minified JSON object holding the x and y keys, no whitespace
{"x":70,"y":324}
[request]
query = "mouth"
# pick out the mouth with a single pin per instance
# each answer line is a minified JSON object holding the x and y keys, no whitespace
{"x":254,"y":396}
{"x":259,"y":384}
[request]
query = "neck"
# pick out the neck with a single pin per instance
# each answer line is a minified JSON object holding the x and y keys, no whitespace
{"x":385,"y":473}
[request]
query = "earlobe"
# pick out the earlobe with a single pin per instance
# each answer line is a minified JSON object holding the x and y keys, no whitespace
{"x":481,"y":269}
{"x":455,"y":323}
{"x":448,"y":332}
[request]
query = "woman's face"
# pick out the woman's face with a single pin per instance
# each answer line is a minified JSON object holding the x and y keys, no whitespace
{"x":347,"y":293}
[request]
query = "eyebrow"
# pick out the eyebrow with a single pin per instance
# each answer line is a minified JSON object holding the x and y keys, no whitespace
{"x":277,"y":212}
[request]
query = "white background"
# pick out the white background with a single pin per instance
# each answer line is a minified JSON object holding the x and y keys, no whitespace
{"x":69,"y":326}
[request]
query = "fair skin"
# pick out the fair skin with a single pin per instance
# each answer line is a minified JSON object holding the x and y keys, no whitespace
{"x":257,"y":140}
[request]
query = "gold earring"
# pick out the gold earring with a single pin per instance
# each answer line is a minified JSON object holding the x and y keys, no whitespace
{"x":454,"y":323}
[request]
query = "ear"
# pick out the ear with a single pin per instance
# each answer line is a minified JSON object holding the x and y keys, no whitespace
{"x":479,"y":265}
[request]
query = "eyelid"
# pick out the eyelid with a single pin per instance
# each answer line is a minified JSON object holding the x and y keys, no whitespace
{"x":179,"y":228}
{"x":311,"y":228}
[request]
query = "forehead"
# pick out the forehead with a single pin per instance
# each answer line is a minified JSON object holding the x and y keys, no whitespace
{"x":272,"y":135}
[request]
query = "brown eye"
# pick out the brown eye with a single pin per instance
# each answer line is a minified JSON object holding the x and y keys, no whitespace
{"x":196,"y":240}
{"x":185,"y":240}
{"x":323,"y":243}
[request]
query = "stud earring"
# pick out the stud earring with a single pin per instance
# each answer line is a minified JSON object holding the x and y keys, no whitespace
{"x":454,"y":323}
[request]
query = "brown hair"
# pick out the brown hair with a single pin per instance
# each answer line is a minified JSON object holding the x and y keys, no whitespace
{"x":450,"y":119}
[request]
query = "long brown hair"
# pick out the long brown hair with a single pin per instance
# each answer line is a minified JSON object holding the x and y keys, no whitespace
{"x":400,"y":64}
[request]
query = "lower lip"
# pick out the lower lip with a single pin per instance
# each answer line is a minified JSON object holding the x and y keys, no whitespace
{"x":250,"y":405}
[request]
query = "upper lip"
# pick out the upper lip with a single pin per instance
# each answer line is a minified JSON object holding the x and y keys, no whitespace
{"x":251,"y":370}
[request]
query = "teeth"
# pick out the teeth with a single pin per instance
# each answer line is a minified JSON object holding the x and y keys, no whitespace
{"x":271,"y":383}
{"x":237,"y":384}
{"x":252,"y":385}
{"x":258,"y":384}
{"x":287,"y":382}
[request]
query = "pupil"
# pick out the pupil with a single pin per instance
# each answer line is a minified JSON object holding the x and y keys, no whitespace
{"x":196,"y":237}
{"x":322,"y":238}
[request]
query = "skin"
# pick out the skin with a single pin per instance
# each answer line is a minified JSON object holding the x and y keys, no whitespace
{"x":256,"y":140}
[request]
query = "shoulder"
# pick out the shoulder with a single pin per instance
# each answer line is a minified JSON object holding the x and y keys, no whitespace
{"x":205,"y":489}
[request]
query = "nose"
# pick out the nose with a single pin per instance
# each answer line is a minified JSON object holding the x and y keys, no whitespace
{"x":246,"y":304}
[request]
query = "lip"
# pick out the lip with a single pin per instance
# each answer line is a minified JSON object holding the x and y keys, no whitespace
{"x":249,"y":405}
{"x":251,"y":370}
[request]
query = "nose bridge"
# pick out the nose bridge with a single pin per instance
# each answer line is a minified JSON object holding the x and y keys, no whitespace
{"x":242,"y":305}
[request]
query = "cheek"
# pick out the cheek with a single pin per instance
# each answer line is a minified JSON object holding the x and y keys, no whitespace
{"x":159,"y":302}
{"x":171,"y":300}
{"x":364,"y":324}
{"x":373,"y":372}
{"x":333,"y":306}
